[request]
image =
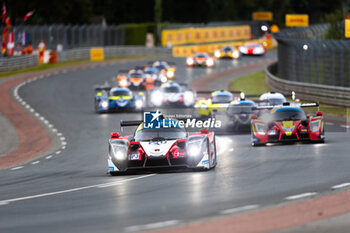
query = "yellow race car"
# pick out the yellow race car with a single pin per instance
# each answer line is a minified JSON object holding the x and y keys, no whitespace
{"x":219,"y":101}
{"x":228,"y":52}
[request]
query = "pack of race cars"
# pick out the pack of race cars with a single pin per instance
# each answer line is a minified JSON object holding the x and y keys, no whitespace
{"x":269,"y":118}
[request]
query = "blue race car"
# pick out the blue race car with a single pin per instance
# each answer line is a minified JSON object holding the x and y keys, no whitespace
{"x":239,"y":114}
{"x":118,"y":99}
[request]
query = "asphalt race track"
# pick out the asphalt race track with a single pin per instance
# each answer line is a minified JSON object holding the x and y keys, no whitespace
{"x":71,"y":192}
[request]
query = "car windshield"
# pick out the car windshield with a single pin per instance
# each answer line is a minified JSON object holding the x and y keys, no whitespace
{"x":172,"y":89}
{"x":228,"y":49}
{"x":253,"y":45}
{"x":165,"y":133}
{"x":276,"y":101}
{"x":222,"y":99}
{"x":121,"y":93}
{"x":201,"y":56}
{"x":161,"y":67}
{"x":136,"y":75}
{"x":240,"y":108}
{"x":289,"y":114}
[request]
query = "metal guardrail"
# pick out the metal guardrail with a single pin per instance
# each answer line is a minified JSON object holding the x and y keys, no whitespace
{"x":112,"y":51}
{"x":17,"y":63}
{"x":26,"y":61}
{"x":326,"y":94}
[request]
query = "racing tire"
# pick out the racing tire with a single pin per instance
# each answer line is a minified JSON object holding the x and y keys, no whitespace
{"x":215,"y":162}
{"x":258,"y":144}
{"x":117,"y":173}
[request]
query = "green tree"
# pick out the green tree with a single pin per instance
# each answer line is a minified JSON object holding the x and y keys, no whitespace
{"x":336,"y":26}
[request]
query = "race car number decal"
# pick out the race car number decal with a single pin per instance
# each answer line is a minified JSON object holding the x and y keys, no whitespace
{"x":157,"y":143}
{"x":134,"y":156}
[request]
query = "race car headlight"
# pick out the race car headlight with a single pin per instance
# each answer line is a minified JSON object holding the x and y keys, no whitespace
{"x":315,"y":126}
{"x":120,"y":155}
{"x":193,"y":150}
{"x":260,"y":128}
{"x":163,"y":79}
{"x":138,"y":104}
{"x":104,"y":104}
{"x":119,"y":151}
{"x":258,"y":50}
{"x":189,"y":98}
{"x":189,"y":61}
{"x":210,"y":62}
{"x":235,"y":54}
{"x":217,"y":54}
{"x":243,"y":49}
{"x":288,"y":129}
{"x":156,"y":98}
{"x":272,"y":132}
{"x":123,"y":83}
{"x":170,"y":74}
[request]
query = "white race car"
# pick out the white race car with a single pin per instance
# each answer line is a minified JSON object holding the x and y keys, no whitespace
{"x":166,"y":146}
{"x":252,"y":49}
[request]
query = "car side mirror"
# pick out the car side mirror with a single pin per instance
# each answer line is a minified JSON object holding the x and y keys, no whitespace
{"x":114,"y":135}
{"x":308,"y":116}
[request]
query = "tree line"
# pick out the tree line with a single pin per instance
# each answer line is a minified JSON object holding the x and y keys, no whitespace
{"x":173,"y":11}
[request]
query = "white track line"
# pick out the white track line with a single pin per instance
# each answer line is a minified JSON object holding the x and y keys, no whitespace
{"x":339,"y":186}
{"x":152,"y":226}
{"x":345,"y":126}
{"x":41,"y":118}
{"x":239,"y":209}
{"x":16,"y":168}
{"x":299,"y":196}
{"x":8,"y":201}
{"x":35,"y":162}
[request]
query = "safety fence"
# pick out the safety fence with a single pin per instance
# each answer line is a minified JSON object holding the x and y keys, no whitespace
{"x":16,"y":63}
{"x":112,"y":51}
{"x":333,"y":95}
{"x":21,"y":62}
{"x":303,"y":56}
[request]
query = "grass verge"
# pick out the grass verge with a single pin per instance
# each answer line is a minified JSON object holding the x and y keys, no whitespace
{"x":255,"y":83}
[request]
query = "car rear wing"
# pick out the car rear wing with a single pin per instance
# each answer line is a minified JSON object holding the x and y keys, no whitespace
{"x":102,"y":88}
{"x":310,"y":105}
{"x":306,"y":105}
{"x":139,"y":68}
{"x":129,"y":123}
{"x":170,"y":63}
{"x":209,"y":92}
{"x":291,"y":95}
{"x":123,"y":71}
